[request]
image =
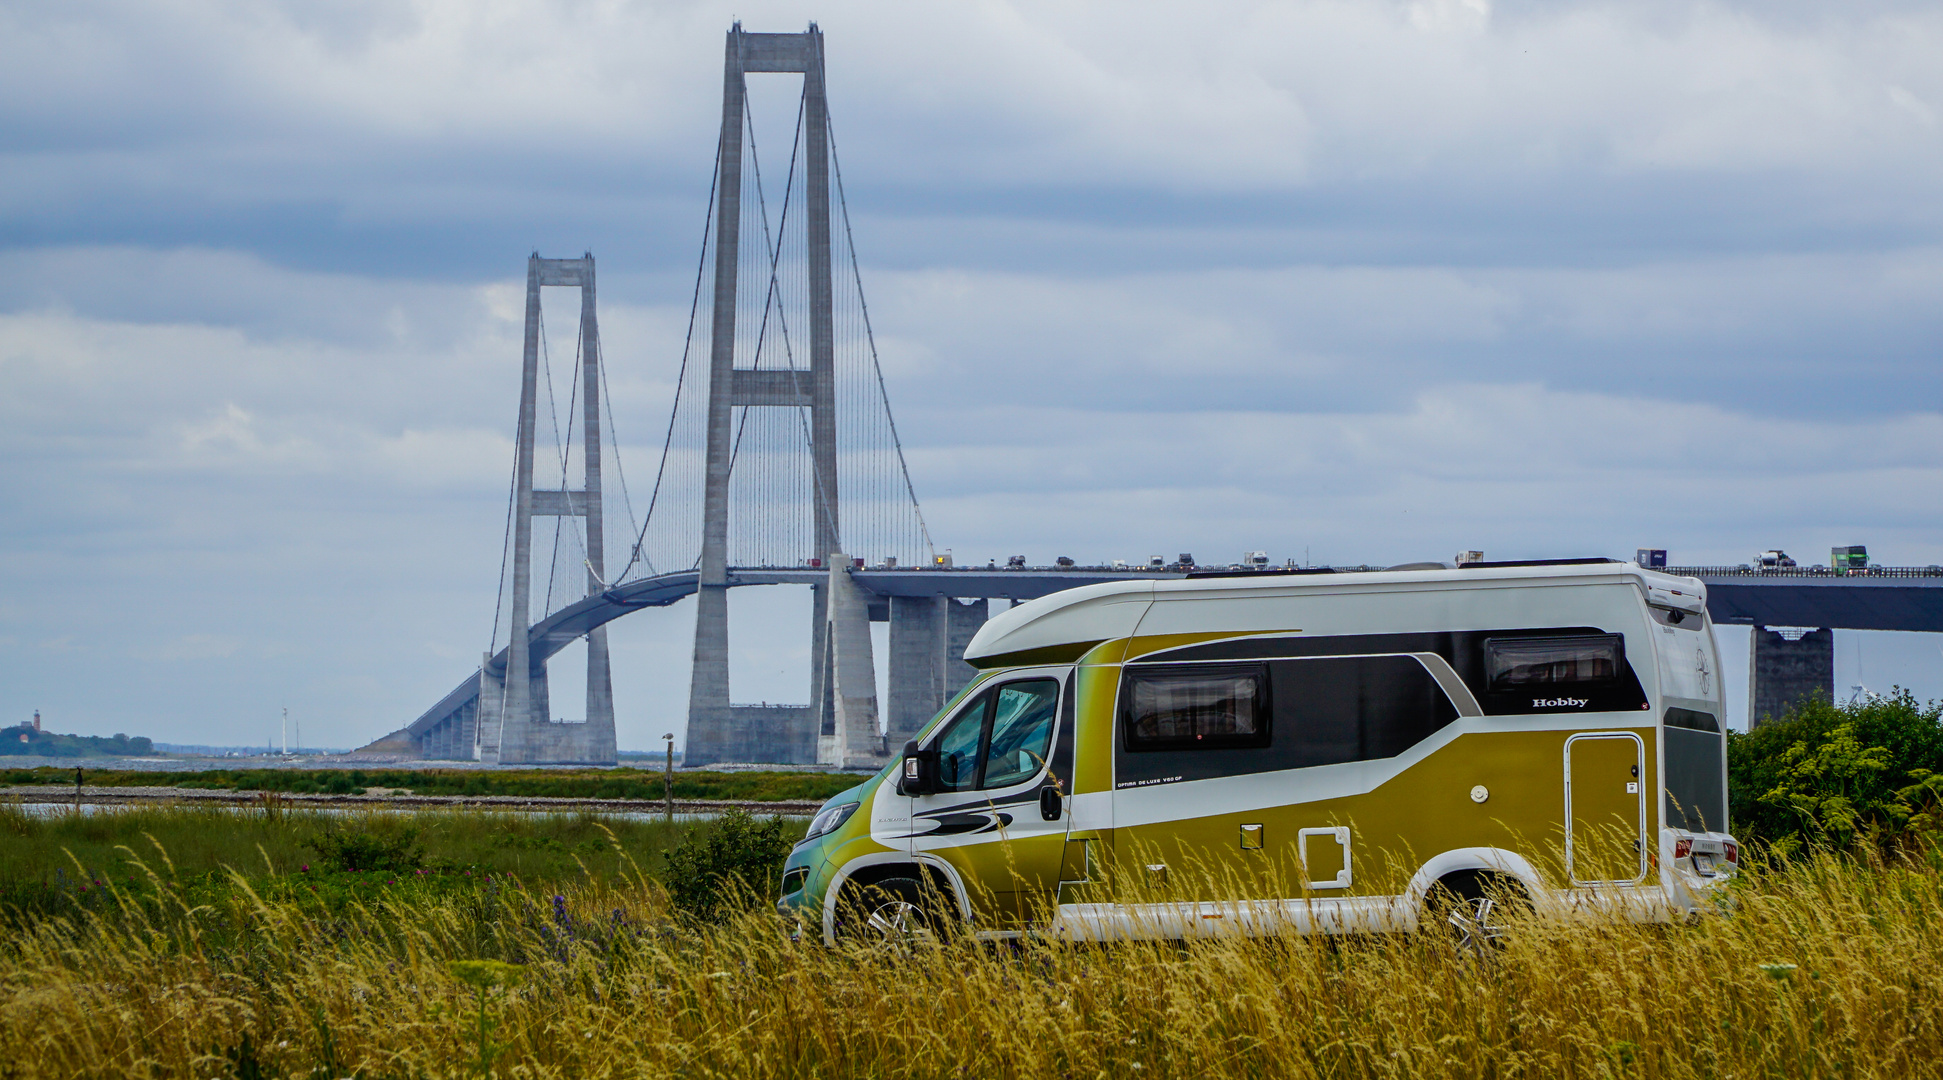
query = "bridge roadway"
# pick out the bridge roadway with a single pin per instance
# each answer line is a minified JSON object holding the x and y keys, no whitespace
{"x":1888,"y":599}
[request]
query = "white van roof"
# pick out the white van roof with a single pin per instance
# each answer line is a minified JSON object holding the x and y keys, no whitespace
{"x":1111,"y":610}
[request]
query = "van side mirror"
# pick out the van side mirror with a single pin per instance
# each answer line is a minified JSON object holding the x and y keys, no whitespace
{"x":918,"y":772}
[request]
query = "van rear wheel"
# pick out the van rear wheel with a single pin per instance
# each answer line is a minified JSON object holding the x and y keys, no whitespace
{"x":896,"y":911}
{"x":1471,"y":908}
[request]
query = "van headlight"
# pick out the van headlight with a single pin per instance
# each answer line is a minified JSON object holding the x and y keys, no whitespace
{"x":830,"y":819}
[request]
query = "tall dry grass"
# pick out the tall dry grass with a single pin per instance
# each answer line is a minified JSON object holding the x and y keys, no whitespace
{"x":1823,"y":967}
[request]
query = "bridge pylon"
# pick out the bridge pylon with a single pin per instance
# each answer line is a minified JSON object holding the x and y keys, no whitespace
{"x":717,"y":730}
{"x":514,"y":715}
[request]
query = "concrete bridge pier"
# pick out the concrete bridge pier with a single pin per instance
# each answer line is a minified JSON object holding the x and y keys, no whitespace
{"x":856,"y":741}
{"x":1787,"y":665}
{"x":917,"y":662}
{"x":964,"y":618}
{"x":928,"y":635}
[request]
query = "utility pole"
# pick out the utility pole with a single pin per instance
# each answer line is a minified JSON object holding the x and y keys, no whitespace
{"x":286,"y":731}
{"x":668,"y":778}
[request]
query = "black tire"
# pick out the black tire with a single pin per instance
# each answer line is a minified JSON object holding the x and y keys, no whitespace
{"x":894,"y":911}
{"x":1470,"y":908}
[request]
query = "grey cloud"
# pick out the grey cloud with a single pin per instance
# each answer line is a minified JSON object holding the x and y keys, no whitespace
{"x":1721,"y":330}
{"x":259,"y":125}
{"x":1360,"y":281}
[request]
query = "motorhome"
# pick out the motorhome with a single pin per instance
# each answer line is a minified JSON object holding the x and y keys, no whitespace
{"x":1299,"y":751}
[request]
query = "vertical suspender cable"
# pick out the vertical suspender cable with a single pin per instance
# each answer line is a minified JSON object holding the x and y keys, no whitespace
{"x":871,"y":338}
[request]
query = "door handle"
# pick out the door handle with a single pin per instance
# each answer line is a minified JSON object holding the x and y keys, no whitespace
{"x":1051,"y":805}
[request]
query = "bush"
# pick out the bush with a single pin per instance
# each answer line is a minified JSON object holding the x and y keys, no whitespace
{"x":342,"y":848}
{"x":734,"y":860}
{"x":1835,"y":773}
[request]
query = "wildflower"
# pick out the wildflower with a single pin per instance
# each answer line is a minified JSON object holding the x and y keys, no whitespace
{"x":306,"y":868}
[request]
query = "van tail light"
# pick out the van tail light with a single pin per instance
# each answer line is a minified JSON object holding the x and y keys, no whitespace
{"x":1732,"y":851}
{"x":1682,"y":848}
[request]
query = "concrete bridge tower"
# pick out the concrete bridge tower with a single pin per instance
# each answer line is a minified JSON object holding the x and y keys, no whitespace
{"x":717,"y":730}
{"x":514,"y":715}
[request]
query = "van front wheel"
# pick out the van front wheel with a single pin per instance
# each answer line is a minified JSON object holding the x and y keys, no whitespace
{"x":893,"y":911}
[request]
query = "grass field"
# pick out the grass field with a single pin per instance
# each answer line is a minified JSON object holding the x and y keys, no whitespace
{"x":61,"y":864}
{"x":623,"y":783}
{"x":1822,"y":967}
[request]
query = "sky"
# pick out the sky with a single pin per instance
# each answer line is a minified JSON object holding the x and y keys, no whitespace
{"x":1344,"y":281}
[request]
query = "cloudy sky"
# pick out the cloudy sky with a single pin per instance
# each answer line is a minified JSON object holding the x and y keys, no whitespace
{"x":1343,"y":281}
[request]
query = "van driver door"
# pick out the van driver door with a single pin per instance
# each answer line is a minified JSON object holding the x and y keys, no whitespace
{"x":1001,"y":818}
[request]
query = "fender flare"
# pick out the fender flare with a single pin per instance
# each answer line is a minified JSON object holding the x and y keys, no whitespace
{"x":1490,"y":859}
{"x":887,"y":858}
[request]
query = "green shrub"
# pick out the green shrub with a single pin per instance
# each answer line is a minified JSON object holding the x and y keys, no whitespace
{"x":735,"y":859}
{"x":1835,"y":773}
{"x":345,"y":848}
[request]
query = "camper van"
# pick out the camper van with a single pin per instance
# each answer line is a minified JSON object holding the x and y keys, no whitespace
{"x":1299,"y":751}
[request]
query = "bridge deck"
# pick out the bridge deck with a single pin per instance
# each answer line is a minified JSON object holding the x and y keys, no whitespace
{"x":1898,"y":598}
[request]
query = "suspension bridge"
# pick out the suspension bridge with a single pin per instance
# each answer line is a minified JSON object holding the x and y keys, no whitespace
{"x":781,"y":464}
{"x":780,"y":453}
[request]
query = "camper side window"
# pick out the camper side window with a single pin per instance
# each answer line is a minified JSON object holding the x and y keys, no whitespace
{"x":1000,"y":738}
{"x":1183,"y":708}
{"x":1022,"y":723}
{"x":1538,"y":663}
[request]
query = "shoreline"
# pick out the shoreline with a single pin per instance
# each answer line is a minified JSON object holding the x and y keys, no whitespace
{"x":64,"y":795}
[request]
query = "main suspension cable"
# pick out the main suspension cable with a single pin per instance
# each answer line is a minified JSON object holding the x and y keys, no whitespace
{"x":681,"y":379}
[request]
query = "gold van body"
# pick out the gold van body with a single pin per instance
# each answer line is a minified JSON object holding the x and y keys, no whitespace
{"x":1269,"y":753}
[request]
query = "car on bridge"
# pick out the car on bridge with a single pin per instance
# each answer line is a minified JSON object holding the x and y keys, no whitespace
{"x":1299,"y":751}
